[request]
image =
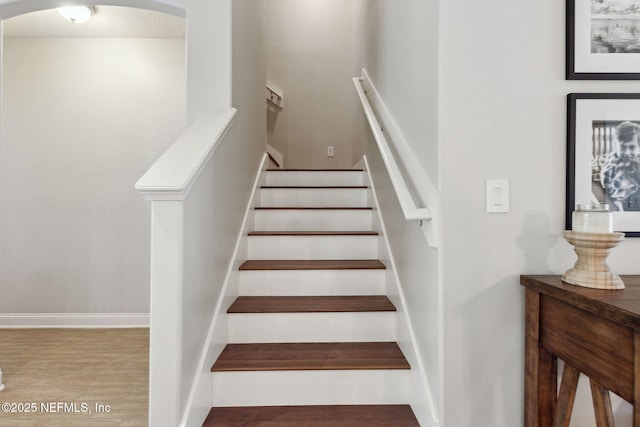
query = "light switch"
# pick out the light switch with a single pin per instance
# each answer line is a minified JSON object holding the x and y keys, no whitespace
{"x":497,"y":195}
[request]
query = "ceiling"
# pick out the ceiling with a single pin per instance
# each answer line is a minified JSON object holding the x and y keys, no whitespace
{"x":109,"y":21}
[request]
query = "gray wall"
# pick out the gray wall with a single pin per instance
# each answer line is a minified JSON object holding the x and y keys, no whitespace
{"x":487,"y":100}
{"x":502,"y":109}
{"x":309,"y":57}
{"x":82,"y":120}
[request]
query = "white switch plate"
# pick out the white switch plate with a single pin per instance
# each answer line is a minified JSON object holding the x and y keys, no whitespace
{"x":330,"y":151}
{"x":497,"y":195}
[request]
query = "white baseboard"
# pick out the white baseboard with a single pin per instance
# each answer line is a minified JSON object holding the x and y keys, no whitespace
{"x":74,"y":320}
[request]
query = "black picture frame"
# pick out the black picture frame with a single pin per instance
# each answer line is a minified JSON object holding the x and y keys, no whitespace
{"x":591,"y":141}
{"x":581,"y":62}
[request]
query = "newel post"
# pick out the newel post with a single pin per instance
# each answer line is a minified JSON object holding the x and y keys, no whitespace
{"x":165,"y":341}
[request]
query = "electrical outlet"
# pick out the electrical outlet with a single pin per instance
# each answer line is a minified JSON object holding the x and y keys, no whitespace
{"x":330,"y":151}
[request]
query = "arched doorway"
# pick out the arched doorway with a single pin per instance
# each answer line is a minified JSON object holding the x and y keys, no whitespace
{"x":84,"y":116}
{"x":11,"y":8}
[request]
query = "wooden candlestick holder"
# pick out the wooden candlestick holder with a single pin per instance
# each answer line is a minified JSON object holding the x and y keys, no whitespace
{"x":591,"y":269}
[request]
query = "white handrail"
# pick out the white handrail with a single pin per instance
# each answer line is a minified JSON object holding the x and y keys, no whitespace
{"x":409,"y":208}
{"x":172,"y":176}
{"x":275,"y":95}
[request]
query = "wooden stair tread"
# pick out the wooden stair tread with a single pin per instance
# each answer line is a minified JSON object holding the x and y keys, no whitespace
{"x":313,"y":416}
{"x":313,"y":208}
{"x":313,"y":233}
{"x":310,"y":356}
{"x":315,"y":170}
{"x":311,"y":304}
{"x":319,"y":264}
{"x":314,"y":187}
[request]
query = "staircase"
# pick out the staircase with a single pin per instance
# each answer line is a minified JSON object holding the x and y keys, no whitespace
{"x":312,"y":334}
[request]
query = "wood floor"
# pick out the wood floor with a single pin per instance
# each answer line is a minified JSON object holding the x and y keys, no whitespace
{"x":81,"y":368}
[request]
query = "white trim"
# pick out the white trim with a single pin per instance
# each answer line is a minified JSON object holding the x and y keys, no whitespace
{"x":174,"y":173}
{"x":312,"y":387}
{"x":421,"y":387}
{"x":202,"y":386}
{"x":74,"y":320}
{"x":278,"y":156}
{"x":382,"y":123}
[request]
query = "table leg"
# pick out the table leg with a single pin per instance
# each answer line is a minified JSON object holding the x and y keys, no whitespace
{"x":601,"y":405}
{"x":540,"y":369}
{"x":636,"y":379}
{"x":566,"y":396}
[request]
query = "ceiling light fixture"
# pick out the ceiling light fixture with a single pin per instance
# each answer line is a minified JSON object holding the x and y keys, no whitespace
{"x":77,"y":14}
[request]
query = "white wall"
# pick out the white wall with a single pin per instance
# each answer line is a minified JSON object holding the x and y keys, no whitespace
{"x":309,"y":57}
{"x":502,"y":109}
{"x":208,"y":50}
{"x":396,"y":42}
{"x":82,"y":120}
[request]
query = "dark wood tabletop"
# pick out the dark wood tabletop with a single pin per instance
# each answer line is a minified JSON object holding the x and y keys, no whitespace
{"x":595,"y":332}
{"x":621,"y":306}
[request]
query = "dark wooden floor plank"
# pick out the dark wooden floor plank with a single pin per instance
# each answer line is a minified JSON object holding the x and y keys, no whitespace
{"x":310,"y":356}
{"x":313,"y":416}
{"x":318,"y":264}
{"x":311,"y":304}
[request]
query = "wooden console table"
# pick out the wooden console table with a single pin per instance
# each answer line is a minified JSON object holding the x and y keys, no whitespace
{"x":596,"y":332}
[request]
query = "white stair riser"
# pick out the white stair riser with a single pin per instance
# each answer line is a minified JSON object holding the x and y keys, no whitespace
{"x":314,"y":197}
{"x":312,"y":282}
{"x":317,"y":178}
{"x":313,"y":220}
{"x":313,"y":247}
{"x":340,"y":387}
{"x":311,"y":327}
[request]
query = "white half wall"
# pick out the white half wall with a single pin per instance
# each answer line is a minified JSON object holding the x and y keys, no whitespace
{"x":82,"y":120}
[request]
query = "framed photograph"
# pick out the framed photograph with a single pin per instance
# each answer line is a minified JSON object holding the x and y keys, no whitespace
{"x":603,"y":156}
{"x":603,"y":39}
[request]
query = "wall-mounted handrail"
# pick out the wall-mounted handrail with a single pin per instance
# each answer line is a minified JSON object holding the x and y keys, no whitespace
{"x":421,"y":205}
{"x":409,"y":207}
{"x":275,"y":95}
